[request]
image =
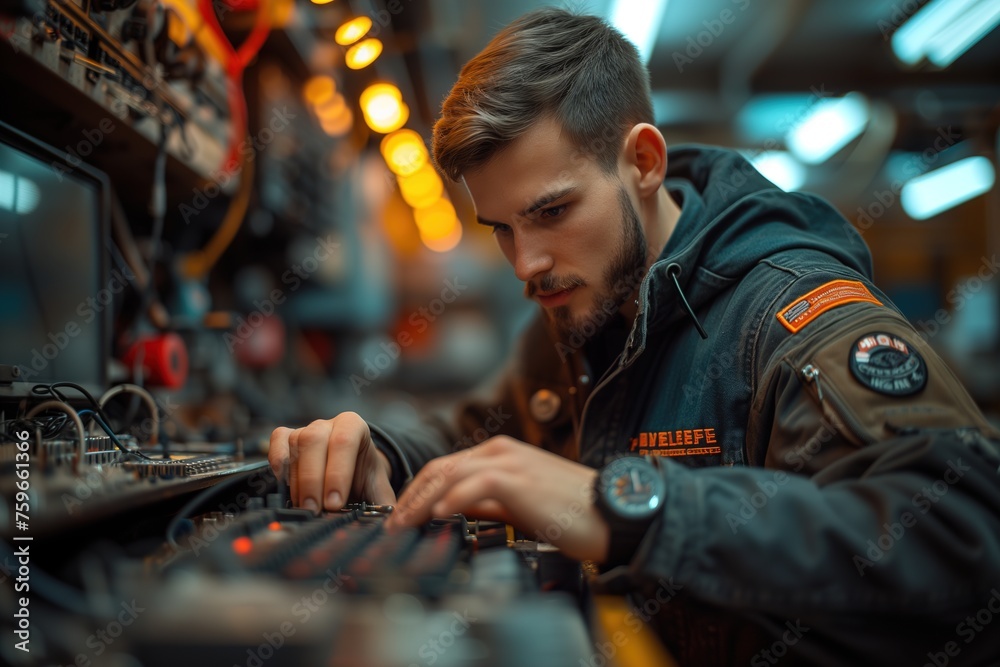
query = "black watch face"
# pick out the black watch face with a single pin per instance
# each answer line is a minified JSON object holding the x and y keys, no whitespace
{"x":632,"y":487}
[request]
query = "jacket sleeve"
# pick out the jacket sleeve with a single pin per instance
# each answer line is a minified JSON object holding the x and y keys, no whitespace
{"x":499,"y":407}
{"x":873,"y":523}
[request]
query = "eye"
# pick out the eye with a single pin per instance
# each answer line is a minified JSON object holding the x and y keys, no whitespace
{"x":501,"y":229}
{"x":552,"y":212}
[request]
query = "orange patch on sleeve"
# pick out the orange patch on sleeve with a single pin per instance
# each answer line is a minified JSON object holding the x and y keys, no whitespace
{"x":808,"y":307}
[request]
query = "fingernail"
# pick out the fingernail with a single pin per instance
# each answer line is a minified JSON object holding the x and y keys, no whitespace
{"x":310,"y":504}
{"x":333,"y":500}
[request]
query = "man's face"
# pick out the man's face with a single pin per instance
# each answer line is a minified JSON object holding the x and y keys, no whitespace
{"x":570,"y":230}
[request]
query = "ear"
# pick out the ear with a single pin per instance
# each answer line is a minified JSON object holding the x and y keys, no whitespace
{"x":646,"y":158}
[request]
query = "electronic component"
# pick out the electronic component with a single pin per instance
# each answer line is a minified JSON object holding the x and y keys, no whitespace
{"x":187,"y":466}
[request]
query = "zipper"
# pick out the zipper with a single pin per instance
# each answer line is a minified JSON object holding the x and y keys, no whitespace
{"x":835,"y":409}
{"x":811,"y":374}
{"x":586,"y":404}
{"x":613,"y":371}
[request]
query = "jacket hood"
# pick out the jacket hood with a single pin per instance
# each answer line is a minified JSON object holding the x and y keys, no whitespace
{"x":731,"y":219}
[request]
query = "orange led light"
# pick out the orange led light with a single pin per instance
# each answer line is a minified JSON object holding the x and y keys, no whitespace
{"x":242,"y":545}
{"x":274,"y":525}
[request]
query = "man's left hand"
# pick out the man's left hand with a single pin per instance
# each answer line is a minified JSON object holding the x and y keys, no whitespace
{"x":541,"y":494}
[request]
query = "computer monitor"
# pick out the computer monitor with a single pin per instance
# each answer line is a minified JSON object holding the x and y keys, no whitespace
{"x":55,"y":299}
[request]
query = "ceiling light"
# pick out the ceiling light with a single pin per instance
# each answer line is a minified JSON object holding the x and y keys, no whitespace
{"x":780,"y":168}
{"x":829,"y":125}
{"x":639,"y":22}
{"x":942,"y":30}
{"x":939,"y":190}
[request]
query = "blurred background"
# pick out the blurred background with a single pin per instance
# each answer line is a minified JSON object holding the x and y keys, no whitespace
{"x":293,"y":254}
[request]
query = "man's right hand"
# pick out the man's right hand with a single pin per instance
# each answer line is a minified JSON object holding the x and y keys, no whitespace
{"x":330,"y":461}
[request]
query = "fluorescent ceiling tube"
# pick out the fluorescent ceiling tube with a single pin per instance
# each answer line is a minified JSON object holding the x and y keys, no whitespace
{"x":639,"y":22}
{"x":944,"y":29}
{"x":780,"y":168}
{"x":947,"y":187}
{"x":829,"y":126}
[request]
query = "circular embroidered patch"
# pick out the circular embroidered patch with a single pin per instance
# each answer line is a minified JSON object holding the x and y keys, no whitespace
{"x":887,"y":364}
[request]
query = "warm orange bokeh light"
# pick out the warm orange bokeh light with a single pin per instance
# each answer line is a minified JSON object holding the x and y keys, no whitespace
{"x":363,"y":53}
{"x":340,"y":124}
{"x":383,"y":107}
{"x":404,"y":151}
{"x":444,"y":244}
{"x":332,"y":107}
{"x":353,"y":30}
{"x":436,"y":221}
{"x":422,"y":188}
{"x":319,"y":89}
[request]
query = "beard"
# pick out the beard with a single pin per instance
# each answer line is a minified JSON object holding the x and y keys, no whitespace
{"x":621,"y":278}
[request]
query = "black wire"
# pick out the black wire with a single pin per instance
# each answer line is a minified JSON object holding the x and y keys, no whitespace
{"x":54,"y":425}
{"x":97,"y":414}
{"x":114,"y":438}
{"x":53,"y":390}
{"x":12,"y":426}
{"x":673,"y":271}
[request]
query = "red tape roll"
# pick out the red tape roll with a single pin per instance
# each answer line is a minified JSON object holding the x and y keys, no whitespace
{"x":164,"y":359}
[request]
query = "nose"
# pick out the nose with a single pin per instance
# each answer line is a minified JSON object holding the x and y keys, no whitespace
{"x":530,"y":259}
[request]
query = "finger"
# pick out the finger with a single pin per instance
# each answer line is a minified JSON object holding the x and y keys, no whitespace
{"x":372,"y":476}
{"x":312,"y":452}
{"x":487,"y":510}
{"x":382,"y":493}
{"x":277,"y":451}
{"x":430,"y":485}
{"x":344,"y":442}
{"x":293,"y":466}
{"x":487,"y":486}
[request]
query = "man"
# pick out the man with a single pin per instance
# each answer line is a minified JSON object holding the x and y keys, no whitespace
{"x":823,"y":486}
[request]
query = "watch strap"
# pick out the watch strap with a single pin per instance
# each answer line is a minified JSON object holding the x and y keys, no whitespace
{"x":624,"y":540}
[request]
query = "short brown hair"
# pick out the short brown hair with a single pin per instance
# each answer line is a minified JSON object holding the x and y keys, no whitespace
{"x":576,"y":68}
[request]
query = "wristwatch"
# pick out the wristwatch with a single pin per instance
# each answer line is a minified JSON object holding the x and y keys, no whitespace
{"x":629,"y":493}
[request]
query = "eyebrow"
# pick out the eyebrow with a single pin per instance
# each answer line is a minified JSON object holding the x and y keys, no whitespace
{"x":542,"y":201}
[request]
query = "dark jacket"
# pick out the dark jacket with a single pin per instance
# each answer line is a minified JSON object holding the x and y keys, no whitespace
{"x":833,"y":492}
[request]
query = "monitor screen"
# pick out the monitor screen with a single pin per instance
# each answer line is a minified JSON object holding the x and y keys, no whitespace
{"x":53,"y":306}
